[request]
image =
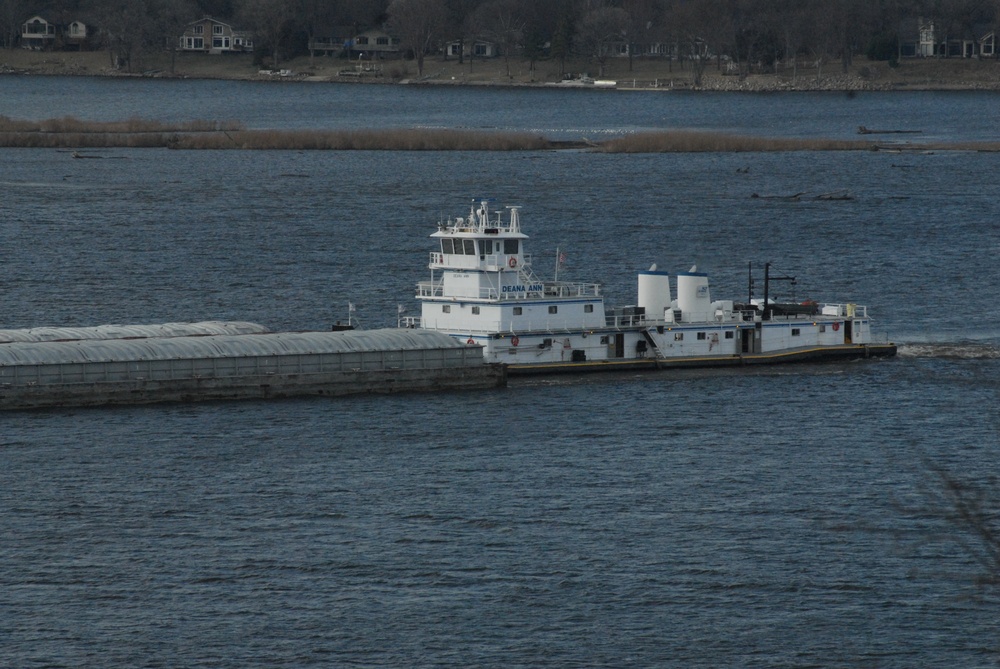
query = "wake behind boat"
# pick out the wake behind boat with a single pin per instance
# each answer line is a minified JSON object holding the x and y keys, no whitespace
{"x":483,"y":291}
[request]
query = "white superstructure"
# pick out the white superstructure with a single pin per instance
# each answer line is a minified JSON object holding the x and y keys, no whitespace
{"x":482,"y":290}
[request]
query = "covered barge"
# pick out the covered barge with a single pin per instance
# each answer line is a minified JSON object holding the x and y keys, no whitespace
{"x":199,"y":366}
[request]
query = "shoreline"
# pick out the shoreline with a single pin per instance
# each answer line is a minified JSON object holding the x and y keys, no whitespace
{"x":918,"y":75}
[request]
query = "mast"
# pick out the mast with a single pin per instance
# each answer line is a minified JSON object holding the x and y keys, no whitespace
{"x":767,"y":281}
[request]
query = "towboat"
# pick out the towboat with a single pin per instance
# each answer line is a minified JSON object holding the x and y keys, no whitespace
{"x":483,"y":291}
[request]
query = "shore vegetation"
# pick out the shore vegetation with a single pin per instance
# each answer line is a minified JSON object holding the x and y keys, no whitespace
{"x":73,"y":133}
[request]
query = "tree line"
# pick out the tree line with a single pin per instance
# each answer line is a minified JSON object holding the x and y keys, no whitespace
{"x":749,"y":33}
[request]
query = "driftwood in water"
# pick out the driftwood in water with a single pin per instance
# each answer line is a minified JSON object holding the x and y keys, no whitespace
{"x":862,"y":130}
{"x":790,"y":198}
{"x":795,"y":197}
{"x":836,"y":195}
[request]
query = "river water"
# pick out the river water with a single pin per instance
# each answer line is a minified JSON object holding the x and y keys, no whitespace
{"x":771,"y":517}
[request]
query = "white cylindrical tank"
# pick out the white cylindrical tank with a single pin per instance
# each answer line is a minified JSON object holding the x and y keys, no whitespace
{"x":654,"y":293}
{"x":693,"y":297}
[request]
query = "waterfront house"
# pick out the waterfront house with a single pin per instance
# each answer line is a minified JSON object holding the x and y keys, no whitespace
{"x":469,"y":49}
{"x":373,"y":44}
{"x":37,"y":33}
{"x":208,"y":35}
{"x":331,"y":41}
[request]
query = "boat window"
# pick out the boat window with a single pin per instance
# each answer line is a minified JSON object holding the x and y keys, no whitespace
{"x":486,"y":246}
{"x":470,"y":247}
{"x":446,"y":308}
{"x":446,"y":246}
{"x":510,"y":247}
{"x":475,"y":310}
{"x":553,"y":309}
{"x":701,"y":335}
{"x":795,"y":332}
{"x":588,"y":308}
{"x":822,"y":328}
{"x":678,"y":336}
{"x":729,"y":334}
{"x":517,"y":311}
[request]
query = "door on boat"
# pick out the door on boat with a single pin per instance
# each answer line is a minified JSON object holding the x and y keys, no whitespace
{"x":619,"y":345}
{"x":746,"y":340}
{"x":848,"y":334}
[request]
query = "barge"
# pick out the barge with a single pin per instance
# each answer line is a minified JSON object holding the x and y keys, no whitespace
{"x":483,"y":291}
{"x":195,"y":362}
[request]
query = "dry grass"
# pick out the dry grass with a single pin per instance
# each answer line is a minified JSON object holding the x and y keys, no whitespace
{"x":364,"y":140}
{"x":708,"y":142}
{"x":71,"y":124}
{"x":72,"y":133}
{"x":135,"y":133}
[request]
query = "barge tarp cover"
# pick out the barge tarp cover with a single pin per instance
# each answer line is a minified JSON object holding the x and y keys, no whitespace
{"x":157,"y":330}
{"x":222,"y":346}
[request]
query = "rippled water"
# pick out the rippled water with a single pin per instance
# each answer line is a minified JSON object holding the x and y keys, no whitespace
{"x":770,"y":517}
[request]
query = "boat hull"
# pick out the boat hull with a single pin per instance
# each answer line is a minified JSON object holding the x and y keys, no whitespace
{"x":801,"y":355}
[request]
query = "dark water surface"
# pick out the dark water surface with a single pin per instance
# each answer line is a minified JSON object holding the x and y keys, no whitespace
{"x":775,"y":517}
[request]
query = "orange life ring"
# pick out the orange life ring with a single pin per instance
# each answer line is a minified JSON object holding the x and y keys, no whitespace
{"x":512,"y":261}
{"x":836,"y":326}
{"x":514,"y":340}
{"x":470,"y":341}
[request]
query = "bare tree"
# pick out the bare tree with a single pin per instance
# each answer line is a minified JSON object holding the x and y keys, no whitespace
{"x":12,"y":14}
{"x":127,"y":30}
{"x":600,"y":31}
{"x":419,"y":24}
{"x":173,"y":16}
{"x":503,"y":23}
{"x":460,"y":23}
{"x":642,"y":17}
{"x":270,"y":21}
{"x":965,"y":514}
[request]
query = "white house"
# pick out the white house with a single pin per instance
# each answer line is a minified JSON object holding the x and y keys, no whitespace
{"x":37,"y":33}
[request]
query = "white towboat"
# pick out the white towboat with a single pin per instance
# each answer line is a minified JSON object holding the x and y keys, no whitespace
{"x":482,"y":290}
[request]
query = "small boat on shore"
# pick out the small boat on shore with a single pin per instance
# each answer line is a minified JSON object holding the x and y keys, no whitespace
{"x":484,"y":291}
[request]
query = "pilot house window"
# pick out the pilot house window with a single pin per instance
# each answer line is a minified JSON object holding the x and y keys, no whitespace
{"x":510,"y":247}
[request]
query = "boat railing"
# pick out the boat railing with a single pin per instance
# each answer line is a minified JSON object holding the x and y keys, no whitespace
{"x":846,"y":310}
{"x":430,"y":289}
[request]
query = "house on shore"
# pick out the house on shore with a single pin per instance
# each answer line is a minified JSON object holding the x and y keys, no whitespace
{"x":373,"y":44}
{"x":37,"y":33}
{"x":208,"y":35}
{"x":333,"y":41}
{"x":923,"y":38}
{"x":471,"y":49}
{"x":40,"y":34}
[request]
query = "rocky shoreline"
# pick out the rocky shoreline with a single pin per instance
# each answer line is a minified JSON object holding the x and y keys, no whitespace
{"x":917,"y":75}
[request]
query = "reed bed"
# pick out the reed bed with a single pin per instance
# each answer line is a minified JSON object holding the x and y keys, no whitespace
{"x":112,"y":136}
{"x":709,"y":142}
{"x":72,"y":133}
{"x":365,"y":140}
{"x":71,"y":124}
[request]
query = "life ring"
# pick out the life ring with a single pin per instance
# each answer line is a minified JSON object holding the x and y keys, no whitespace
{"x":512,"y":261}
{"x":836,"y":326}
{"x":470,"y":340}
{"x":514,"y":341}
